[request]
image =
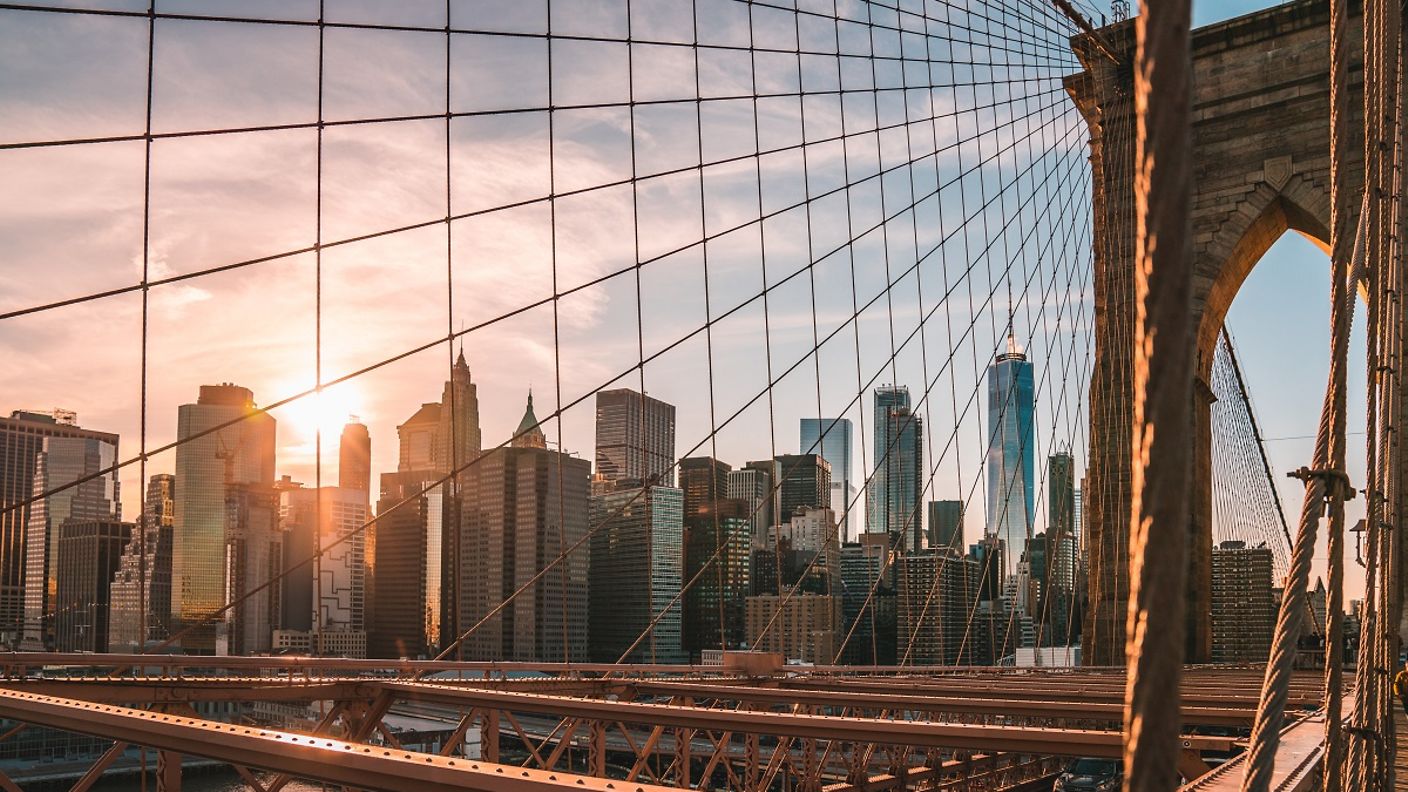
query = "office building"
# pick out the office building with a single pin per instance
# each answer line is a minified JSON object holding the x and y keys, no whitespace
{"x":868,"y":608}
{"x":637,"y":566}
{"x":945,"y":525}
{"x":22,"y":438}
{"x":1061,"y":495}
{"x":1011,"y":452}
{"x":208,"y":468}
{"x":1051,"y":593}
{"x":704,"y":481}
{"x":404,"y":555}
{"x":143,"y":577}
{"x":718,"y":562}
{"x":354,"y":458}
{"x":831,"y":437}
{"x":523,"y":505}
{"x":935,"y":595}
{"x":59,"y":458}
{"x":894,"y":499}
{"x":635,"y":437}
{"x":457,"y":438}
{"x":806,"y":484}
{"x":802,"y":627}
{"x":753,"y":483}
{"x":329,"y":520}
{"x":811,"y":530}
{"x":88,"y":555}
{"x":253,"y":559}
{"x":1244,"y":610}
{"x":418,"y":441}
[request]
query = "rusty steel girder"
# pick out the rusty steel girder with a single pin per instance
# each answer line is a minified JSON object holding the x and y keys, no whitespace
{"x":333,"y":761}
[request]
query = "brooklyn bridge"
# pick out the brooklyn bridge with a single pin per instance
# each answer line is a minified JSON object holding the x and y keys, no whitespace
{"x":1009,"y":236}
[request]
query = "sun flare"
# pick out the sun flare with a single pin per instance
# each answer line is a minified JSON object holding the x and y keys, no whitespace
{"x":327,"y":411}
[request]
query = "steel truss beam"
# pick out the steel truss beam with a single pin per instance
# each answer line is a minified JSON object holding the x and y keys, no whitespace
{"x":332,"y":761}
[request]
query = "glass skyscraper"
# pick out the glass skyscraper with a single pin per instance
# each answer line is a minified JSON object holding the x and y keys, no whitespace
{"x":637,"y":570}
{"x":22,"y":440}
{"x":831,"y":437}
{"x":893,"y":499}
{"x":208,"y":469}
{"x":1011,"y":452}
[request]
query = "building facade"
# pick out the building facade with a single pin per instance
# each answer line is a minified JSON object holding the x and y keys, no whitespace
{"x":88,"y":554}
{"x":945,"y":525}
{"x":354,"y":459}
{"x":806,"y":484}
{"x":802,"y":627}
{"x":934,"y":602}
{"x":753,"y":483}
{"x":868,"y":608}
{"x":143,"y":577}
{"x":60,"y":461}
{"x":404,"y":558}
{"x":522,"y":506}
{"x":22,"y":437}
{"x":894,"y":498}
{"x":1011,"y":452}
{"x":1244,"y":609}
{"x":718,"y":571}
{"x":704,"y":481}
{"x":328,"y":594}
{"x":831,"y":437}
{"x":635,"y":437}
{"x":637,"y":570}
{"x":208,"y":467}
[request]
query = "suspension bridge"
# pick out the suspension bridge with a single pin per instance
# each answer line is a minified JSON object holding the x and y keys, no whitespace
{"x":756,"y":211}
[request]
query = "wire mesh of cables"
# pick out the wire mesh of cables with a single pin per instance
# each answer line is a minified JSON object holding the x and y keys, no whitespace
{"x":744,"y":212}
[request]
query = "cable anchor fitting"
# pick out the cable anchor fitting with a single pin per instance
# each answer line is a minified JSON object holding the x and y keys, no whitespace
{"x":1337,"y":483}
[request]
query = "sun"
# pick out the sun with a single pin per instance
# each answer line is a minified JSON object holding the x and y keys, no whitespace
{"x":326,"y":411}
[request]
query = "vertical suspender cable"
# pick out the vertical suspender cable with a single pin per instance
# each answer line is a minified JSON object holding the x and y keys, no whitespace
{"x":1270,"y":715}
{"x":1163,"y":394}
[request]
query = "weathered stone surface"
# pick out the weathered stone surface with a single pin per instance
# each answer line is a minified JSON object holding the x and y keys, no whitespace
{"x":1261,"y":142}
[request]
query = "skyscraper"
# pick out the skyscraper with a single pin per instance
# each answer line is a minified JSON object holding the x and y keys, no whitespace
{"x":418,"y":439}
{"x":62,"y":460}
{"x":868,"y":599}
{"x":253,"y":558}
{"x":933,"y":601}
{"x":635,"y":437}
{"x":88,"y":555}
{"x":354,"y":458}
{"x":1061,"y":495}
{"x":637,"y":567}
{"x":717,"y":559}
{"x":143,"y":577}
{"x":893,"y":501}
{"x":946,"y":525}
{"x":404,"y":557}
{"x":311,"y":518}
{"x":522,"y":506}
{"x":704,"y":481}
{"x":1244,"y":609}
{"x":458,"y":439}
{"x":831,"y":437}
{"x":1011,"y":452}
{"x":21,"y":437}
{"x":753,"y":483}
{"x":209,"y":468}
{"x":806,"y":484}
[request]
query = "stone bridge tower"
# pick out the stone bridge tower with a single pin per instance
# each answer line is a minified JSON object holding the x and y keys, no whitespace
{"x":1261,"y":158}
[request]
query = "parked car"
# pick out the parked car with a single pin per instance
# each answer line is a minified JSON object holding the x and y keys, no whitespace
{"x":1090,"y":775}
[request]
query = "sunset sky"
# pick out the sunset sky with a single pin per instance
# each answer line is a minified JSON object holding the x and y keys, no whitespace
{"x":71,"y":223}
